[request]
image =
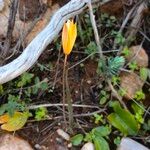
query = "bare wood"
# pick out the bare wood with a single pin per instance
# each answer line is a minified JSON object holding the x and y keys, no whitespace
{"x":136,"y":22}
{"x":32,"y":52}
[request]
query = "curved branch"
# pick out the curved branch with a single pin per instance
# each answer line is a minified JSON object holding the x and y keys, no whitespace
{"x":32,"y":52}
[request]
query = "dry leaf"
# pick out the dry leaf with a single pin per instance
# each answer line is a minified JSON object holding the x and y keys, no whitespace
{"x":16,"y":122}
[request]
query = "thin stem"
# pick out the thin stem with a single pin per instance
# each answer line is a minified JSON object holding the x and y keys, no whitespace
{"x":117,"y":95}
{"x":70,"y":107}
{"x":64,"y":95}
{"x":97,"y":39}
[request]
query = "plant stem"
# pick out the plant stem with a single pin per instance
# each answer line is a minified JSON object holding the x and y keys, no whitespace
{"x":67,"y":96}
{"x":70,"y":107}
{"x":64,"y":95}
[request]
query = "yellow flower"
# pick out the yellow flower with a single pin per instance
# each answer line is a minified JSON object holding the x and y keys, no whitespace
{"x":69,"y":35}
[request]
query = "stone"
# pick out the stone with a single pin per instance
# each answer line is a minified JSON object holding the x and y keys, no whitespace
{"x":129,"y":144}
{"x":63,"y":134}
{"x":1,"y":5}
{"x":9,"y":142}
{"x":131,"y":83}
{"x":88,"y":146}
{"x":138,"y":54}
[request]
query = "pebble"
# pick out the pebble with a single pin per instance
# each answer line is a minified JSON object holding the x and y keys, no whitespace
{"x":63,"y":134}
{"x":88,"y":146}
{"x":129,"y":144}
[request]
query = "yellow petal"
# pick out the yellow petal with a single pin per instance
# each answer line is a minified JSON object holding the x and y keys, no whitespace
{"x":72,"y":35}
{"x":69,"y":35}
{"x":65,"y":38}
{"x":16,"y":122}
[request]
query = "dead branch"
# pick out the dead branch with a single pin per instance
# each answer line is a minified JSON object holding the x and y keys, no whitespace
{"x":136,"y":22}
{"x":32,"y":52}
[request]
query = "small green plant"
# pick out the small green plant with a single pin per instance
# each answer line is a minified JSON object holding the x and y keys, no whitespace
{"x":133,"y":66}
{"x":107,"y":20}
{"x":138,"y":113}
{"x":120,"y":40}
{"x":139,"y":95}
{"x":111,"y":66}
{"x":25,"y":79}
{"x":77,"y":139}
{"x":91,"y":48}
{"x":14,"y":104}
{"x":126,"y":52}
{"x":144,"y":73}
{"x":99,"y":119}
{"x":97,"y":136}
{"x":117,"y":140}
{"x":40,"y":113}
{"x":103,"y":97}
{"x":115,"y":80}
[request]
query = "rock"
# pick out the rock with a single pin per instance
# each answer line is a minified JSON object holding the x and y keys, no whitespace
{"x":138,"y":54}
{"x":9,"y":142}
{"x":114,"y":8}
{"x":131,"y":83}
{"x":88,"y":146}
{"x":1,"y":5}
{"x":29,"y":9}
{"x":41,"y":23}
{"x":129,"y":144}
{"x":63,"y":134}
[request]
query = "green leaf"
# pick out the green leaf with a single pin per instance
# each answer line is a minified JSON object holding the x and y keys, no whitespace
{"x":25,"y":78}
{"x":77,"y":139}
{"x":100,"y":143}
{"x":1,"y":89}
{"x":88,"y":137}
{"x":123,"y":120}
{"x":144,"y":73}
{"x":115,"y":64}
{"x":139,"y":95}
{"x":126,"y":51}
{"x":133,"y":66}
{"x":101,"y":131}
{"x":117,"y":141}
{"x":12,"y":105}
{"x":111,"y":67}
{"x":44,"y":86}
{"x":40,"y":113}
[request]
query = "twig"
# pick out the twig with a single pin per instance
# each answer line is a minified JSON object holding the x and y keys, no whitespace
{"x":136,"y":22}
{"x":59,"y":104}
{"x":116,"y":94}
{"x":147,"y":111}
{"x":97,"y":39}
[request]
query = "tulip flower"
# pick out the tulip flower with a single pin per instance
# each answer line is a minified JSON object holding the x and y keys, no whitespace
{"x":69,"y":35}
